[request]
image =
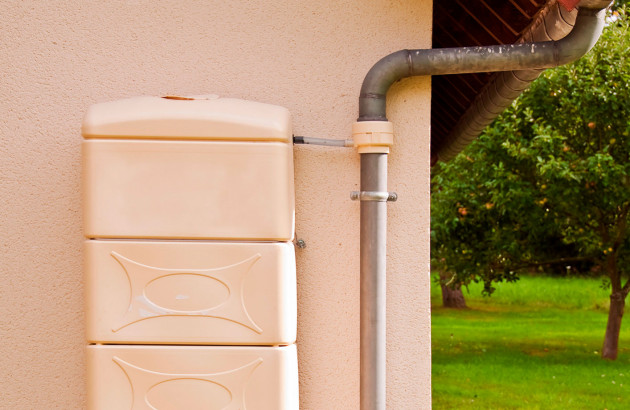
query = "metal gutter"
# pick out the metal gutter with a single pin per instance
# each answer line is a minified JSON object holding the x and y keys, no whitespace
{"x":552,"y":25}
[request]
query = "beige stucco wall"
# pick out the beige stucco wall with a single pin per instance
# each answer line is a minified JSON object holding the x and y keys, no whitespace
{"x":59,"y":56}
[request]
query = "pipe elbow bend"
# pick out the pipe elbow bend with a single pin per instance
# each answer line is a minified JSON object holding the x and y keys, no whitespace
{"x":588,"y":27}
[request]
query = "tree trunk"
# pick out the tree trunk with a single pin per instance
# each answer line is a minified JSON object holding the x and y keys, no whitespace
{"x":615,"y":314}
{"x":452,"y":296}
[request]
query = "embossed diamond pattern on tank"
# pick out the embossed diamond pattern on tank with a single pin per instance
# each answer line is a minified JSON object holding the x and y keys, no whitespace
{"x":142,"y":381}
{"x":142,"y":307}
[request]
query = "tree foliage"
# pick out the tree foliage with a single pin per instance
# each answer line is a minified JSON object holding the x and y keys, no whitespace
{"x":548,"y":183}
{"x":618,"y":4}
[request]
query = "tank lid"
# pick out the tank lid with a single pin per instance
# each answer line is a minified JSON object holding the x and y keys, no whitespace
{"x":205,"y":117}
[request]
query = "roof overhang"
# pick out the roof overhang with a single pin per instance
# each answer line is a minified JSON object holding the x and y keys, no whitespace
{"x":459,"y":101}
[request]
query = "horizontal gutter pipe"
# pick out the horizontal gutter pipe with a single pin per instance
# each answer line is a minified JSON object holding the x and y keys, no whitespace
{"x":372,"y":107}
{"x":460,"y":60}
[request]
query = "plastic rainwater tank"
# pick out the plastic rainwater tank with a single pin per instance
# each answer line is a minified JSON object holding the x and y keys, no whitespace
{"x":189,"y":266}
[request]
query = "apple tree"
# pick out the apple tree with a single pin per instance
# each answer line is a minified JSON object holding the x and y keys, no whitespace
{"x":547,"y":185}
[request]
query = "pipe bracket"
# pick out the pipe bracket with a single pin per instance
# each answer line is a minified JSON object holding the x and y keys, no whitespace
{"x":378,"y":196}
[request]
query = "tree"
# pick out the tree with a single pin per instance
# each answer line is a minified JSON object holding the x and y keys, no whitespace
{"x":548,"y":183}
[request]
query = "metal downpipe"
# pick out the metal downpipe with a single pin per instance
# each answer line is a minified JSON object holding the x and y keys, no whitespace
{"x":372,"y":107}
{"x":373,"y":280}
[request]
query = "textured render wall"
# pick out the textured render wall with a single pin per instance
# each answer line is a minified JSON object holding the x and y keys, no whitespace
{"x":58,"y":57}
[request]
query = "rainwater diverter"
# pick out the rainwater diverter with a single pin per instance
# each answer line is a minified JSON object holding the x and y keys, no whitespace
{"x":189,"y":264}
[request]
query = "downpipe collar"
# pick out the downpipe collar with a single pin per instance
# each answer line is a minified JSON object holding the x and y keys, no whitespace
{"x":373,"y":137}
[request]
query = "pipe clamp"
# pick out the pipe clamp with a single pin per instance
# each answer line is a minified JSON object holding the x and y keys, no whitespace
{"x":378,"y":196}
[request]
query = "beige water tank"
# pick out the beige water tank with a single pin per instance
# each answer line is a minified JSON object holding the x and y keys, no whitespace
{"x":190,"y":292}
{"x":189,"y":265}
{"x":202,"y":168}
{"x":192,"y":378}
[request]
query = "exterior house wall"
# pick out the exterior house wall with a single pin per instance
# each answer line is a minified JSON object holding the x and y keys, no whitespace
{"x":60,"y":56}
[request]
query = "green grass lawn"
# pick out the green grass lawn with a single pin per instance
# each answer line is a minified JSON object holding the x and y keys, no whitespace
{"x":534,"y":344}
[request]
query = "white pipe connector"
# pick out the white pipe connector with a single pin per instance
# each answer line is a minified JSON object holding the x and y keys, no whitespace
{"x":373,"y":137}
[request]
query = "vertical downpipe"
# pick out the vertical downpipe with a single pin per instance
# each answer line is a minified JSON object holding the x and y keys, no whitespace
{"x":373,"y":140}
{"x":373,"y":307}
{"x":373,"y":135}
